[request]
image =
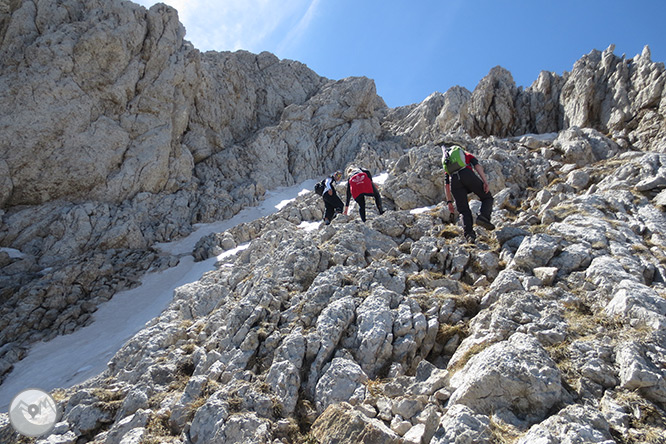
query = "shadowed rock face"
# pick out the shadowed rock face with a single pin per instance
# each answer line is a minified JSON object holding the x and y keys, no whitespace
{"x":118,"y":134}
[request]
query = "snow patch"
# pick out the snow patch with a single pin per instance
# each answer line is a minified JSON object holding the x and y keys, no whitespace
{"x":12,"y":252}
{"x":421,"y":210}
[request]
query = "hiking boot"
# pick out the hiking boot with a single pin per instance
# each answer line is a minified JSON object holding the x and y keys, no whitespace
{"x":485,"y":223}
{"x":470,"y":237}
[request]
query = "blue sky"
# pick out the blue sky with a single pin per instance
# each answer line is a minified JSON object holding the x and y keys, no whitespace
{"x":414,"y":48}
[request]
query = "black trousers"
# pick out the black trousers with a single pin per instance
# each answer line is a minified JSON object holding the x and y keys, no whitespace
{"x":360,"y":200}
{"x":463,"y":183}
{"x":333,"y":205}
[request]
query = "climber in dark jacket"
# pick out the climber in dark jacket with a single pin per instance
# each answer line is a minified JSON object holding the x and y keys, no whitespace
{"x":359,"y":185}
{"x":332,"y":202}
{"x":459,"y":184}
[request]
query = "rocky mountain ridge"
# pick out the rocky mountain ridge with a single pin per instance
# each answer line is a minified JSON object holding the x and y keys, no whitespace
{"x":550,"y":329}
{"x":615,"y":95}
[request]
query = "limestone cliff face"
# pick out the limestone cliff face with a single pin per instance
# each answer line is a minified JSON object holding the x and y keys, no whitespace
{"x":98,"y":92}
{"x":115,"y":102}
{"x":115,"y":134}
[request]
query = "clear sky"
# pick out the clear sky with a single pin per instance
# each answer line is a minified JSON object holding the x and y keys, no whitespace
{"x":414,"y":48}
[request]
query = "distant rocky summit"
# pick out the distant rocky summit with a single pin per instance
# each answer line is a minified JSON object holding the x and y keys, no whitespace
{"x":118,"y":134}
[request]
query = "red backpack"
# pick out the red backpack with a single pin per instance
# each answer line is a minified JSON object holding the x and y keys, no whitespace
{"x":359,"y":184}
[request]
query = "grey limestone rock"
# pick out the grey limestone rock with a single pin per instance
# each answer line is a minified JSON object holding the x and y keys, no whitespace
{"x":492,"y":108}
{"x":342,"y":380}
{"x":535,"y":251}
{"x":285,"y":373}
{"x":462,"y":425}
{"x":119,"y":135}
{"x":376,"y":331}
{"x":573,"y":423}
{"x":341,"y":423}
{"x":637,"y":371}
{"x":516,"y":374}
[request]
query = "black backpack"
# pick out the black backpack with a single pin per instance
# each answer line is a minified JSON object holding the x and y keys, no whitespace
{"x":320,"y":187}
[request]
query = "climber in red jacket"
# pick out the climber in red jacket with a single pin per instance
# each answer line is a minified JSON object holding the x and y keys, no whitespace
{"x":359,"y":185}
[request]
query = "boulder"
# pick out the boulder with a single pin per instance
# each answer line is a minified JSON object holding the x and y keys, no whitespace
{"x":342,"y":380}
{"x":516,"y":374}
{"x":341,"y":423}
{"x":572,"y":423}
{"x":462,"y":425}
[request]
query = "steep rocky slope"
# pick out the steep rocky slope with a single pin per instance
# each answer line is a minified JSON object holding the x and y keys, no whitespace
{"x":549,"y":329}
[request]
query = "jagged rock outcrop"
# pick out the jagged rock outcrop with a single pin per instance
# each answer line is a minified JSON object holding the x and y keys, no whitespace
{"x":437,"y":114}
{"x":611,"y":94}
{"x":491,"y":109}
{"x":550,"y":328}
{"x":156,"y":110}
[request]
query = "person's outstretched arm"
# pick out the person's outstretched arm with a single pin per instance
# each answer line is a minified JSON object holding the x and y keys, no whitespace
{"x":449,"y":197}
